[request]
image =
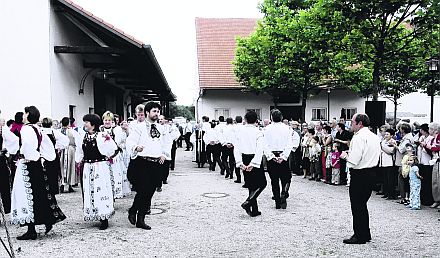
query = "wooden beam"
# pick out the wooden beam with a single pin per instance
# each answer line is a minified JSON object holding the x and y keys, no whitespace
{"x":103,"y":65}
{"x":95,"y":50}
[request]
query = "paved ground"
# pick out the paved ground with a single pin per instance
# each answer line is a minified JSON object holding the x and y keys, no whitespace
{"x":315,"y":222}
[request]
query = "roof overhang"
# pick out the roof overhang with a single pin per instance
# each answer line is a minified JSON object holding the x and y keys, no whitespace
{"x":128,"y":62}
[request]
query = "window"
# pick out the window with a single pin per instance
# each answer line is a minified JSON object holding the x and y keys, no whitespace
{"x":221,"y":112}
{"x":319,"y":114}
{"x":349,"y":112}
{"x":91,"y":110}
{"x":72,"y":111}
{"x":256,"y":110}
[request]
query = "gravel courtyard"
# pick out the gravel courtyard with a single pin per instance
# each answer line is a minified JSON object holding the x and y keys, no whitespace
{"x":189,"y":222}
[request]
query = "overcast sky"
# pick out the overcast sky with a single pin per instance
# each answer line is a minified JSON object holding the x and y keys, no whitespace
{"x":169,"y":27}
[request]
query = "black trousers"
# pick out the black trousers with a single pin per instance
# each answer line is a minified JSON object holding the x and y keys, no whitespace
{"x":277,"y":173}
{"x":343,"y":173}
{"x":188,"y":143}
{"x":147,"y":176}
{"x":228,"y":159}
{"x":173,"y":155}
{"x":213,"y":153}
{"x":426,"y":190}
{"x":390,"y":181}
{"x":165,"y":171}
{"x":5,"y":188}
{"x":179,"y":141}
{"x":361,"y":186}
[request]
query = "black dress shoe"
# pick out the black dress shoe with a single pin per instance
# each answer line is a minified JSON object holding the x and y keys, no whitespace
{"x":247,"y":207}
{"x":71,"y":189}
{"x":48,"y":228}
{"x":255,"y":213}
{"x":132,"y":217}
{"x":244,"y":186}
{"x":104,"y":224}
{"x":28,"y":236}
{"x":354,"y":241}
{"x":237,"y":181}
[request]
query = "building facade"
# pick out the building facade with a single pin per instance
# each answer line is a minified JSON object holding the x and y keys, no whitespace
{"x":221,"y":94}
{"x":68,"y":62}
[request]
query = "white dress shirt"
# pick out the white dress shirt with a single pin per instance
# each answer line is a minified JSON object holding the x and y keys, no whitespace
{"x":295,"y":140}
{"x":10,"y":141}
{"x":153,"y":147}
{"x":211,"y":136}
{"x":364,"y":150}
{"x":250,"y":140}
{"x":229,"y":135}
{"x":277,"y":137}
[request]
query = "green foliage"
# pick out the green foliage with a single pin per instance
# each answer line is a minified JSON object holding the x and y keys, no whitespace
{"x":180,"y":110}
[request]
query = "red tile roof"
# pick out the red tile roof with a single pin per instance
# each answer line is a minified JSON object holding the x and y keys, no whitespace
{"x":216,"y":49}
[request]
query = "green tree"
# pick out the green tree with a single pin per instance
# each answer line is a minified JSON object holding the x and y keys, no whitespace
{"x":374,"y":30}
{"x":181,"y":110}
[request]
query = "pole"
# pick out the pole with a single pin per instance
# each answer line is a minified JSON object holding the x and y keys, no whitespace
{"x":432,"y":101}
{"x":328,"y":104}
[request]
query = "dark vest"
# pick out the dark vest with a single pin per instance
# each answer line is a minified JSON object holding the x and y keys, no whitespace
{"x":90,"y":149}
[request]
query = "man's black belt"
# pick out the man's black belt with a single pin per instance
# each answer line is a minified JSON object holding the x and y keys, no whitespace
{"x":362,"y":169}
{"x":277,"y":153}
{"x":150,"y":159}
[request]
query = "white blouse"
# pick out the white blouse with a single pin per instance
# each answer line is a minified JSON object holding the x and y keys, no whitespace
{"x":10,"y":140}
{"x":106,"y":146}
{"x":29,"y":144}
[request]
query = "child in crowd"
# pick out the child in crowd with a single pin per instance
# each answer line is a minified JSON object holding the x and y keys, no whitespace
{"x":315,"y":158}
{"x":414,"y":182}
{"x":403,"y":176}
{"x":336,"y":166}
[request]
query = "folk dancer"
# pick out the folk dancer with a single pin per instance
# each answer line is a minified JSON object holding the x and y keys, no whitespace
{"x":118,"y":165}
{"x":95,"y":150}
{"x":32,"y":202}
{"x":213,"y":148}
{"x":228,"y":141}
{"x":277,"y":150}
{"x":149,"y":148}
{"x":248,"y":153}
{"x":9,"y":144}
{"x":68,"y":166}
{"x":237,"y":127}
{"x":52,"y":167}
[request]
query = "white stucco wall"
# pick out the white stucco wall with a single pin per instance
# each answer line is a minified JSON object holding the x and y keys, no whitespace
{"x":234,"y":100}
{"x":67,"y":70}
{"x":237,"y":102}
{"x":339,"y":99}
{"x":24,"y":58}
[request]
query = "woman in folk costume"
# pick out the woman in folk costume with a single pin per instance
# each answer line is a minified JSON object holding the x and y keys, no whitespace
{"x":95,"y":151}
{"x":8,"y":144}
{"x":32,"y":202}
{"x":68,"y":166}
{"x":52,"y":167}
{"x":117,"y":159}
{"x":125,"y":159}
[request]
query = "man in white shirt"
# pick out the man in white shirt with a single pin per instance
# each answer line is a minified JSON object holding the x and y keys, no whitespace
{"x":237,"y":128}
{"x":187,"y":134}
{"x":228,"y":141}
{"x":278,"y":145}
{"x":362,"y":159}
{"x":149,"y":146}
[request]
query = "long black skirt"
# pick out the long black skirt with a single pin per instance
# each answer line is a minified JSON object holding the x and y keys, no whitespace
{"x":46,"y":210}
{"x":5,"y":188}
{"x":255,"y":178}
{"x":53,"y":172}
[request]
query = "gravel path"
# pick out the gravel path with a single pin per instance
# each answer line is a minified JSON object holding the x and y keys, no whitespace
{"x":316,"y":220}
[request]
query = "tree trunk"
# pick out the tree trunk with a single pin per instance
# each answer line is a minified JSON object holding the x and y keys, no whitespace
{"x":376,"y":78}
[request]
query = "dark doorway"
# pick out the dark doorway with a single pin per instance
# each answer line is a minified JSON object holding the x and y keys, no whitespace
{"x":108,"y":98}
{"x":289,"y":112}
